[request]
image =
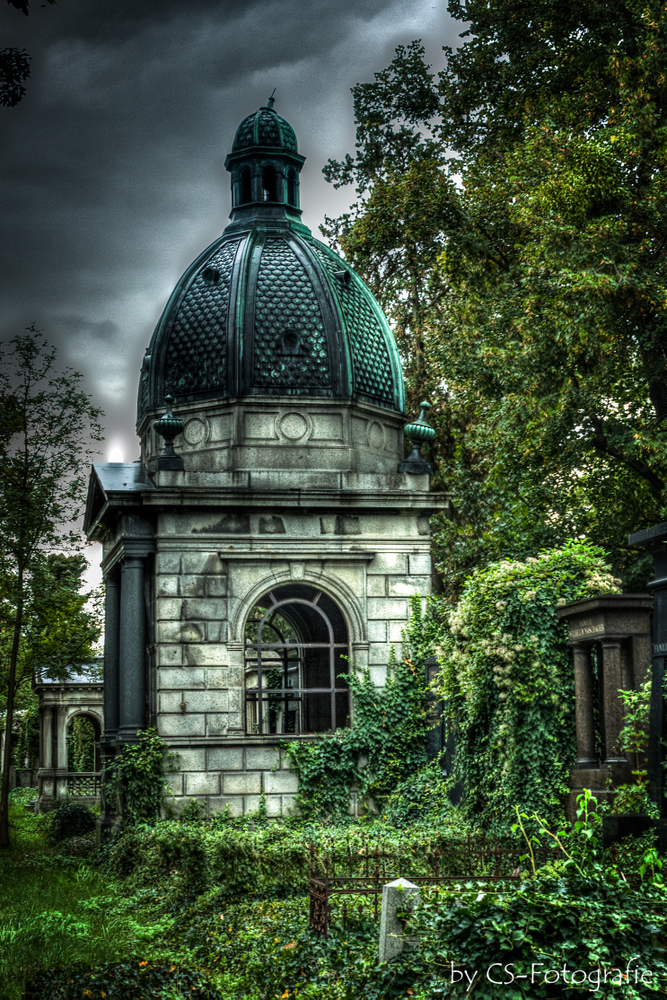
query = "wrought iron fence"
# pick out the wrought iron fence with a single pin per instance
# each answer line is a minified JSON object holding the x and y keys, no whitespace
{"x":339,"y":889}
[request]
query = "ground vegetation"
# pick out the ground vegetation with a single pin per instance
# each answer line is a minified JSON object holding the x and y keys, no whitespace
{"x":219,"y":909}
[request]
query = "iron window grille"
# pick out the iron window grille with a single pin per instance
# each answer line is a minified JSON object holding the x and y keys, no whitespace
{"x":295,"y":664}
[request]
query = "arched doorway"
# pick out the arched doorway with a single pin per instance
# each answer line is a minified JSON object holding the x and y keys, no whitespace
{"x":82,"y":735}
{"x":296,"y":648}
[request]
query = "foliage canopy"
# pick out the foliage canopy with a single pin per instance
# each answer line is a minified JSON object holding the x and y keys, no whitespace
{"x":511,"y":219}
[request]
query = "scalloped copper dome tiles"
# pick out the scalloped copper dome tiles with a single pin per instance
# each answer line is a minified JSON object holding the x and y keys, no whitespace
{"x":267,"y":310}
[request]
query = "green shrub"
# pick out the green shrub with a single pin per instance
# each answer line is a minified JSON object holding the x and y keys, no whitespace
{"x":387,"y":743}
{"x":69,"y":819}
{"x":137,"y":779}
{"x":508,"y":682}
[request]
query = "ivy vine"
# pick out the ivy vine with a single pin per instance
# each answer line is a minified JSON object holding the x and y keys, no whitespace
{"x":507,"y":680}
{"x":136,"y":778}
{"x":386,"y":743}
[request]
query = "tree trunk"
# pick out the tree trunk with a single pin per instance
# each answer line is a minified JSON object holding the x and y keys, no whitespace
{"x":7,"y":756}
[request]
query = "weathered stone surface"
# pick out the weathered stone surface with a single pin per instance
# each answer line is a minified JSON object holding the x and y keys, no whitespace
{"x":170,"y":701}
{"x":261,"y":758}
{"x":182,"y":677}
{"x":217,"y":724}
{"x":175,"y":782}
{"x":205,"y":609}
{"x":379,"y":675}
{"x":168,"y":562}
{"x":235,"y":700}
{"x":377,"y":631}
{"x":170,"y":656}
{"x":216,"y":586}
{"x":387,"y":607}
{"x":202,"y":562}
{"x":376,"y":586}
{"x":280,"y":781}
{"x":289,"y":805}
{"x":242,"y":784}
{"x":274,"y":805}
{"x":167,"y":586}
{"x":389,"y":562}
{"x":406,"y":586}
{"x":224,"y":759}
{"x":192,"y":760}
{"x":378,"y":652}
{"x":250,"y":804}
{"x":420,"y":564}
{"x":235,"y":677}
{"x":395,"y":897}
{"x":207,"y":701}
{"x":219,"y":803}
{"x":181,"y":725}
{"x":396,"y":630}
{"x":217,"y":677}
{"x":207,"y":654}
{"x":193,"y":586}
{"x":168,"y":608}
{"x":202,"y":783}
{"x":216,"y":632}
{"x":180,"y":632}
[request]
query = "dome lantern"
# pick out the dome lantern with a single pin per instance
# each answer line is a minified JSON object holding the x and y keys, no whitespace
{"x":265,"y":165}
{"x":269,"y":317}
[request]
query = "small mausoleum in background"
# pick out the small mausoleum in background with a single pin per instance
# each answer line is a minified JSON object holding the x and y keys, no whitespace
{"x":80,"y":697}
{"x":272,"y":532}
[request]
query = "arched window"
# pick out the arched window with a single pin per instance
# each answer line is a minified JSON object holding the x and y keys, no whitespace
{"x":269,"y":184}
{"x":246,"y":193}
{"x":291,"y":188}
{"x":296,"y":649}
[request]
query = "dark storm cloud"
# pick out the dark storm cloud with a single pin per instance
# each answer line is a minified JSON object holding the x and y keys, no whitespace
{"x":111,"y":176}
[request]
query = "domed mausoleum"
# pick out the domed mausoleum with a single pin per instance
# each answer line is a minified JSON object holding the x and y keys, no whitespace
{"x":272,"y":531}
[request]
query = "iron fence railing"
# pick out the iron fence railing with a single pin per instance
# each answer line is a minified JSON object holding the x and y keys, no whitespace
{"x":349,"y":883}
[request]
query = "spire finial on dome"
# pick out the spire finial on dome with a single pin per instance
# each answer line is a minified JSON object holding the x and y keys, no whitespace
{"x":271,"y":101}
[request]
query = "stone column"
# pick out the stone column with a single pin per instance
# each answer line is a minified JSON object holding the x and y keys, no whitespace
{"x":583,"y":692}
{"x":132,"y":651}
{"x":612,"y":707}
{"x":111,"y":656}
{"x":46,"y":749}
{"x":61,"y":762}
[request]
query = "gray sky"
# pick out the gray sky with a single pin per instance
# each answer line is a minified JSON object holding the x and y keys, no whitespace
{"x":111,"y":168}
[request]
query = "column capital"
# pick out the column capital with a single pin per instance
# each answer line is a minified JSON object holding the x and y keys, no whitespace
{"x":137,"y":548}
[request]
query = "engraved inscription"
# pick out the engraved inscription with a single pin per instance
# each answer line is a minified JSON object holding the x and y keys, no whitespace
{"x":586,"y":630}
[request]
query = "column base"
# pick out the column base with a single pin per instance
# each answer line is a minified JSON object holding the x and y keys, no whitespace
{"x":586,"y":764}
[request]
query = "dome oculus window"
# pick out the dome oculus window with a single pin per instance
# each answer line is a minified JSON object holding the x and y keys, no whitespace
{"x":295,"y":664}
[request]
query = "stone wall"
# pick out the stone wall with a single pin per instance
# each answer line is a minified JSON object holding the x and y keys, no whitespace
{"x":211,"y":569}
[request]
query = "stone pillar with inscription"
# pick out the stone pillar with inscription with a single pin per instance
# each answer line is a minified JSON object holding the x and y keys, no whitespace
{"x":609,"y":638}
{"x":655,"y":541}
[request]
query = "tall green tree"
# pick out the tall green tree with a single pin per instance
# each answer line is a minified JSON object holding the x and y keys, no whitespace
{"x":48,"y":430}
{"x":548,"y":340}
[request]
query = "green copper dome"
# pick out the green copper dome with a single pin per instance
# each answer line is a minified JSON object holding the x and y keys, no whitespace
{"x":267,"y":309}
{"x":264,"y":127}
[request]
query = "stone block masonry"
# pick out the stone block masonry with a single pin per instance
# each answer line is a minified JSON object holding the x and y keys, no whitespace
{"x":207,"y":582}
